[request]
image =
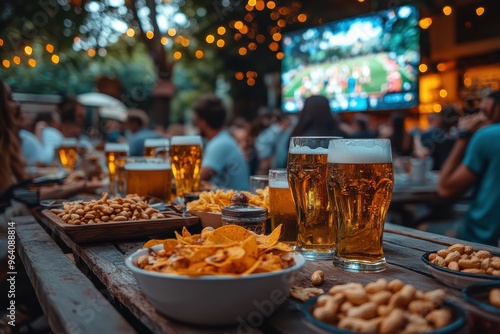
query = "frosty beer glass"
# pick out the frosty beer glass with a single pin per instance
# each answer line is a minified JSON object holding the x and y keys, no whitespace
{"x":360,"y":182}
{"x":307,"y":157}
{"x":281,"y":206}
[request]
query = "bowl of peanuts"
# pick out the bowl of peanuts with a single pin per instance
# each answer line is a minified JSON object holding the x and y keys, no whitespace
{"x":384,"y":306}
{"x":460,"y":265}
{"x":483,"y":306}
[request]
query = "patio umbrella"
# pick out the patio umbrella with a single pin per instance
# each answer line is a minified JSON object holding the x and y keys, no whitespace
{"x":108,"y":106}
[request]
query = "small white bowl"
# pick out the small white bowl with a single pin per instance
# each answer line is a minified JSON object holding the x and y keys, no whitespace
{"x":215,"y":300}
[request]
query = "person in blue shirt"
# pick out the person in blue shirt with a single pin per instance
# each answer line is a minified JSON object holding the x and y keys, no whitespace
{"x":138,"y":131}
{"x":474,"y":163}
{"x":223,"y":163}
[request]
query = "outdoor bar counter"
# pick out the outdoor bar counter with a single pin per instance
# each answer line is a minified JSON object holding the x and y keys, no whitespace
{"x":86,"y":288}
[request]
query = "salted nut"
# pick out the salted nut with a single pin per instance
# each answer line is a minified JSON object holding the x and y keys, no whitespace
{"x":317,"y":277}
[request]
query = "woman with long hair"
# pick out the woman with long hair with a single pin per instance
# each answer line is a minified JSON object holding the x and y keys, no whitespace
{"x":316,"y":119}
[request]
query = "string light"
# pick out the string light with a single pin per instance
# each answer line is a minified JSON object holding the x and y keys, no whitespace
{"x":242,"y":51}
{"x":177,"y":55}
{"x":447,"y":10}
{"x":210,"y":39}
{"x":164,"y":40}
{"x":221,"y":30}
{"x":480,"y":11}
{"x":220,"y":43}
{"x":130,"y":32}
{"x":6,"y":63}
{"x":150,"y":34}
{"x":55,"y":59}
{"x":199,"y":54}
{"x":32,"y":62}
{"x":49,"y":48}
{"x":28,"y":50}
{"x":171,"y":32}
{"x":425,"y":23}
{"x":422,"y":68}
{"x":16,"y":60}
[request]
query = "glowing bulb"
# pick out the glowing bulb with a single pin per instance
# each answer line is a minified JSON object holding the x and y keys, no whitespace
{"x":199,"y":54}
{"x":177,"y":55}
{"x":447,"y":10}
{"x":221,"y":30}
{"x":6,"y":63}
{"x":32,"y":62}
{"x":130,"y":32}
{"x":480,"y":11}
{"x":150,"y":34}
{"x":49,"y":48}
{"x":422,"y":68}
{"x":210,"y":39}
{"x":55,"y":59}
{"x":28,"y":50}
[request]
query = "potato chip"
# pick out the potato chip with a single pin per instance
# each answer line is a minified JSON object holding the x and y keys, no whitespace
{"x":214,"y":201}
{"x":228,"y":250}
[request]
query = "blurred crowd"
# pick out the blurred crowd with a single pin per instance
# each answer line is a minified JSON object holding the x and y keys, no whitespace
{"x":236,"y":148}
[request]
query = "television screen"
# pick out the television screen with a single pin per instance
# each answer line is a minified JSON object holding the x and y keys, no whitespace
{"x":364,"y":63}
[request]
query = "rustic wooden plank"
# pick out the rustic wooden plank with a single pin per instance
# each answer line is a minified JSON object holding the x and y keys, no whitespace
{"x":434,"y":238}
{"x":70,"y":301}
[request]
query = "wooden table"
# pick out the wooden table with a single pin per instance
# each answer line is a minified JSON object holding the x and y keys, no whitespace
{"x":87,"y":288}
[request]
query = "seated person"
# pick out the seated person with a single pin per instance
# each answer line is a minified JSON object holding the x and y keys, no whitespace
{"x":223,"y":163}
{"x":474,"y":162}
{"x":138,"y":131}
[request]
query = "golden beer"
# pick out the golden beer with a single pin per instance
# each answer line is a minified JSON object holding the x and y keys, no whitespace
{"x":282,"y":211}
{"x":149,"y":178}
{"x":307,"y":179}
{"x":156,"y":147}
{"x":113,"y":151}
{"x":360,"y":183}
{"x":186,"y":155}
{"x":68,"y":153}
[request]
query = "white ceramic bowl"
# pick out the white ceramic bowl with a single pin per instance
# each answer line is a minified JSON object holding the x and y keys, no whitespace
{"x":215,"y":300}
{"x":456,"y":279}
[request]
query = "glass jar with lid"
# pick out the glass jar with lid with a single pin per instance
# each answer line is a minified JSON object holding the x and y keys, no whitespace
{"x":253,"y":218}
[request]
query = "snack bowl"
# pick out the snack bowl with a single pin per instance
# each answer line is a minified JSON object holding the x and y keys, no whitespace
{"x":453,"y":278}
{"x":458,"y":322}
{"x":212,"y":219}
{"x":482,"y":315}
{"x":215,"y":300}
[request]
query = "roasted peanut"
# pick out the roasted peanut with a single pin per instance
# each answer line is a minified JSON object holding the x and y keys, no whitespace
{"x":379,"y":285}
{"x":317,"y":277}
{"x":474,"y":263}
{"x":452,"y":257}
{"x":358,"y":325}
{"x":482,"y":254}
{"x":439,"y":318}
{"x":393,"y":322}
{"x":365,"y":311}
{"x":457,"y":248}
{"x":395,"y":285}
{"x":494,"y":297}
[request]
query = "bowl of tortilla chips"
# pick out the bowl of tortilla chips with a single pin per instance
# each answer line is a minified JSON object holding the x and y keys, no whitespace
{"x":221,"y":276}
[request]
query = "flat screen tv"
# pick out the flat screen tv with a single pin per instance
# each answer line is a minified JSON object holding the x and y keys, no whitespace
{"x":363,"y":63}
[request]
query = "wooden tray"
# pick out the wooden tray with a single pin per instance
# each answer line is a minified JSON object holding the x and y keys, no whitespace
{"x":131,"y":229}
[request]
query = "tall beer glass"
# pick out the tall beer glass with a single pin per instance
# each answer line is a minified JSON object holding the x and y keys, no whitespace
{"x":360,"y":183}
{"x":148,"y":177}
{"x":307,"y":162}
{"x":68,"y":153}
{"x":113,"y":151}
{"x":186,"y":154}
{"x":281,"y":206}
{"x":156,"y":147}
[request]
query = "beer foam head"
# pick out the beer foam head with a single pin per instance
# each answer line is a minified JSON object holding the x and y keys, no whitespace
{"x":185,"y":140}
{"x":154,"y":142}
{"x":283,"y":184}
{"x":359,"y":151}
{"x":145,"y":166}
{"x":116,"y":147}
{"x":307,"y":150}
